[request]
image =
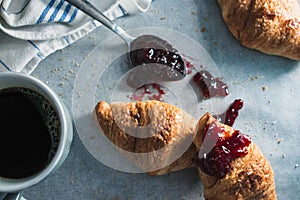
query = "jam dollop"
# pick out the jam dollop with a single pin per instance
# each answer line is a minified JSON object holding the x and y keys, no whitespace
{"x":164,"y":61}
{"x":219,"y":149}
{"x":231,"y":113}
{"x":209,"y":85}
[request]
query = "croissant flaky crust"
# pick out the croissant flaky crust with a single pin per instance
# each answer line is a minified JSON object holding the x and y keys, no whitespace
{"x":249,"y":177}
{"x":154,"y":133}
{"x":270,"y":26}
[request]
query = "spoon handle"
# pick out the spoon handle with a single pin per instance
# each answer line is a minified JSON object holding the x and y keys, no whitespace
{"x":89,"y":9}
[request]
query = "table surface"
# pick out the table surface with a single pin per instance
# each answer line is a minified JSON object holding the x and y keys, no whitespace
{"x":270,"y":115}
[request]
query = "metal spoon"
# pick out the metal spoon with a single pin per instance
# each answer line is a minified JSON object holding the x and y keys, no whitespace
{"x":92,"y":11}
{"x":175,"y":70}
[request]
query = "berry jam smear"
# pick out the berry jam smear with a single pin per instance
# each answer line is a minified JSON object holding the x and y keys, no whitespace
{"x":151,"y":91}
{"x":209,"y":86}
{"x":162,"y":56}
{"x":231,"y":113}
{"x":219,"y":149}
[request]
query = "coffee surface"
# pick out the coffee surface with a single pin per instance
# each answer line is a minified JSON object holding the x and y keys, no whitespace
{"x":25,"y":141}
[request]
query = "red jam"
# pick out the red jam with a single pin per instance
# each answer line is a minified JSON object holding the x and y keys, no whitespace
{"x":219,"y":149}
{"x":232,"y":113}
{"x":210,"y":86}
{"x":189,"y":67}
{"x":149,"y":49}
{"x":151,"y":91}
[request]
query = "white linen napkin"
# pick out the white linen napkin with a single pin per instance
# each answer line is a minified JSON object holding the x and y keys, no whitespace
{"x":30,"y":30}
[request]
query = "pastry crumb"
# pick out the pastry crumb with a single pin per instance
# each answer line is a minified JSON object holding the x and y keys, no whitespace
{"x":279,"y":141}
{"x":252,"y":78}
{"x":182,"y":198}
{"x":264,"y":88}
{"x":274,"y":122}
{"x":76,"y":64}
{"x":62,"y":84}
{"x":271,"y":154}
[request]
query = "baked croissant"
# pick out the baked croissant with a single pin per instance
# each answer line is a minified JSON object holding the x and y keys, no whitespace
{"x":153,"y":133}
{"x":246,"y":176}
{"x":270,"y":26}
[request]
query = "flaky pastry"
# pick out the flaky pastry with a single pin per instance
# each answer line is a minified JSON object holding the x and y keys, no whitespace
{"x":270,"y":26}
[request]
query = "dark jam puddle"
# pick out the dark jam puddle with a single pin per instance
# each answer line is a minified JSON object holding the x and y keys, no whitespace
{"x":165,"y":58}
{"x":219,"y":149}
{"x":151,"y":91}
{"x":149,"y":49}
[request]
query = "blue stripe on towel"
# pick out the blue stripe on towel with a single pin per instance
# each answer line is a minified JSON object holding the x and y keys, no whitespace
{"x":66,"y":11}
{"x":4,"y":9}
{"x":45,"y":12}
{"x":67,"y":40}
{"x":94,"y":24}
{"x":57,"y":8}
{"x":40,"y":56}
{"x":73,"y":15}
{"x":34,"y":45}
{"x":6,"y":67}
{"x":23,"y":8}
{"x":122,"y":10}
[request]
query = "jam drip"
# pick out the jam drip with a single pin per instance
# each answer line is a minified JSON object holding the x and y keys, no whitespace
{"x":219,"y":149}
{"x":210,"y":86}
{"x":232,"y":113}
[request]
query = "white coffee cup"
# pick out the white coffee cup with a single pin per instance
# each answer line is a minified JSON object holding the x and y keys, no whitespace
{"x":12,"y":188}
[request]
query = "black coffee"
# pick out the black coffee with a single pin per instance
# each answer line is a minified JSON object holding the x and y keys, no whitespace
{"x":26,"y":144}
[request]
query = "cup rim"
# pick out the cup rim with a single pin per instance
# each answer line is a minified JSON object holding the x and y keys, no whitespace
{"x":14,"y":185}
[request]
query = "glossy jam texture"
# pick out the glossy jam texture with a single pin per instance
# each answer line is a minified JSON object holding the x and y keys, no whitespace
{"x":162,"y":56}
{"x":168,"y":58}
{"x":210,"y":86}
{"x":219,"y":149}
{"x":231,"y":113}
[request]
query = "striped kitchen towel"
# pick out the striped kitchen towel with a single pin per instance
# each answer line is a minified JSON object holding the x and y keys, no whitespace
{"x":30,"y":30}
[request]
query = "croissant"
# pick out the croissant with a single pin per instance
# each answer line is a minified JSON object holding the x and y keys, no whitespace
{"x":249,"y":176}
{"x":152,"y":133}
{"x":246,"y":176}
{"x":270,"y":26}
